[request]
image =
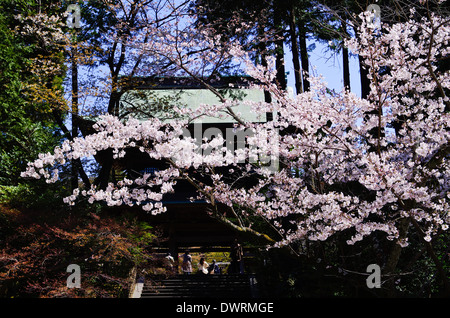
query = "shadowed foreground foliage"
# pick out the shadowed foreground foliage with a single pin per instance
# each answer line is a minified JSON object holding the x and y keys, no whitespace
{"x":38,"y":243}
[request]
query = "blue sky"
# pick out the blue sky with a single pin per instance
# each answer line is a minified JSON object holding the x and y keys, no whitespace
{"x":328,"y":64}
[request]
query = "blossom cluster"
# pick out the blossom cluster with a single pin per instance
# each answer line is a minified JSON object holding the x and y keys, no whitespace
{"x":335,"y":173}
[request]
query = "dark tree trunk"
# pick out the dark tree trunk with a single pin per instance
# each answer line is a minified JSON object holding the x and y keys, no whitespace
{"x":295,"y":53}
{"x":74,"y":176}
{"x":304,"y":55}
{"x":365,"y":82}
{"x":279,"y":50}
{"x":262,"y":51}
{"x":77,"y":162}
{"x":345,"y":60}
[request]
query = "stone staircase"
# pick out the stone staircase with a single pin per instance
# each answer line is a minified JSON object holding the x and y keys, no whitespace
{"x":199,"y":285}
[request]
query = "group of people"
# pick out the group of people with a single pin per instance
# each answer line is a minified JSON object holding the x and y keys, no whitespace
{"x":203,"y":266}
{"x":236,"y":266}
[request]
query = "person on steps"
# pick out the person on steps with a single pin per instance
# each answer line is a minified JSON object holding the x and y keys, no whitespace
{"x":213,"y":268}
{"x":236,"y":258}
{"x":203,"y":266}
{"x":186,"y":266}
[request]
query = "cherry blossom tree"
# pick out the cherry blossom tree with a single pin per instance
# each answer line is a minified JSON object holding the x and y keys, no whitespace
{"x":332,"y":176}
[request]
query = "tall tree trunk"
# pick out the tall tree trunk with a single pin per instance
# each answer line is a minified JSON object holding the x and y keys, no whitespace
{"x":281,"y":70}
{"x":107,"y":164}
{"x":279,"y":49}
{"x":377,"y":132}
{"x":65,"y":130}
{"x":345,"y":61}
{"x":295,"y":52}
{"x":105,"y":171}
{"x":365,"y":91}
{"x":103,"y":176}
{"x":365,"y":82}
{"x":262,"y":51}
{"x":303,"y":54}
{"x":74,"y":177}
{"x":363,"y":72}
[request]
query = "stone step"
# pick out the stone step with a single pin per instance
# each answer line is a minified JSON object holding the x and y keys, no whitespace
{"x":200,"y":286}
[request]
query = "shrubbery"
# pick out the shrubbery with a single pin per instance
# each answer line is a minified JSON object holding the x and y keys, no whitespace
{"x":38,"y":243}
